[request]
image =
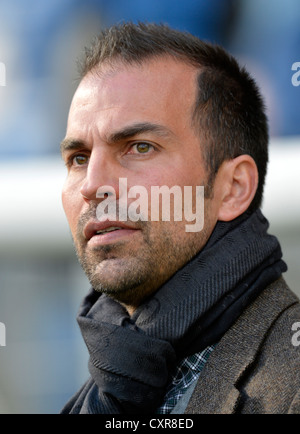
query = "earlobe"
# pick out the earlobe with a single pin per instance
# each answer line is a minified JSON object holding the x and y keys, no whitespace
{"x":238,"y":180}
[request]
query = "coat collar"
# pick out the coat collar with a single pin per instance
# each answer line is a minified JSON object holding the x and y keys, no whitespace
{"x":217,"y":390}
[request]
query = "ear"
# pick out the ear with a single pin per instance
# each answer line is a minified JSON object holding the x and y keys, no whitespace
{"x":237,"y":185}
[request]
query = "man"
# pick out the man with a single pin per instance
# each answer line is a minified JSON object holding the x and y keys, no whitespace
{"x":177,"y":320}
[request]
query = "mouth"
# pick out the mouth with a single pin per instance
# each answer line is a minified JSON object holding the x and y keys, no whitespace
{"x":105,"y":231}
{"x":96,"y":232}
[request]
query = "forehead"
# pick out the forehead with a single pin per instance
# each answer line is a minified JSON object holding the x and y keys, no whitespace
{"x":155,"y":90}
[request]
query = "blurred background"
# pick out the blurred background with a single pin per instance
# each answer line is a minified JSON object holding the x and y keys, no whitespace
{"x":41,"y":284}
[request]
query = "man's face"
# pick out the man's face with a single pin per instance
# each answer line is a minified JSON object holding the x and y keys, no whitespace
{"x":133,"y":122}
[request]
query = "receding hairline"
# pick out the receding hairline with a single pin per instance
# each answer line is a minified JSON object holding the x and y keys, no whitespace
{"x":136,"y":42}
{"x":115,"y":64}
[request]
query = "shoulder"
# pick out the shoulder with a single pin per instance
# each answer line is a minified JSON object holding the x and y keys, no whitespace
{"x":255,"y":367}
{"x":272,"y":381}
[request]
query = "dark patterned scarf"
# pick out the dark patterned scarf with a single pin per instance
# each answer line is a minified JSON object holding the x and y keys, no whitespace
{"x":132,"y":358}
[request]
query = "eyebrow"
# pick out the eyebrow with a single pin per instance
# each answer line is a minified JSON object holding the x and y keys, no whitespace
{"x":138,"y":128}
{"x":71,"y":145}
{"x":117,"y":136}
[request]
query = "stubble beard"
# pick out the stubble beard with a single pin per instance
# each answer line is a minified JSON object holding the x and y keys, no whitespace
{"x":130,"y":273}
{"x":117,"y":270}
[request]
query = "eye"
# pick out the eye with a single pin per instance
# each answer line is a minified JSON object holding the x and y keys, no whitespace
{"x":141,"y":148}
{"x":78,"y":160}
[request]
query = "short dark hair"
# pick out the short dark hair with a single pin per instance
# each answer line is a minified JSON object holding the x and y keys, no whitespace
{"x":229,"y":112}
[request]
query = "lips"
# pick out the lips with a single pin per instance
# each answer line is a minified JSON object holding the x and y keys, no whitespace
{"x":101,"y":228}
{"x":105,"y":231}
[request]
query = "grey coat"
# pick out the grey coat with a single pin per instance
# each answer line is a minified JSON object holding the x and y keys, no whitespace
{"x":255,"y":368}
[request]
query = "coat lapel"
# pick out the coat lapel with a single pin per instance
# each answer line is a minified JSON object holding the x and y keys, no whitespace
{"x":217,"y":390}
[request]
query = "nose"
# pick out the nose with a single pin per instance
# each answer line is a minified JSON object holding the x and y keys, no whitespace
{"x":101,"y":175}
